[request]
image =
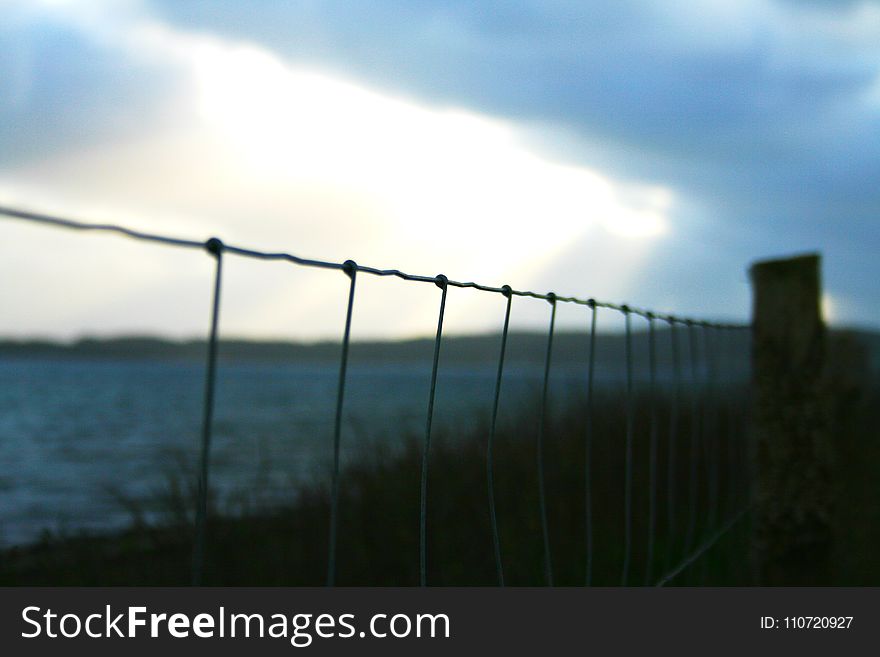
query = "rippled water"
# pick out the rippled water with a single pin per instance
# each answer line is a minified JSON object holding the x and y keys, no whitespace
{"x":78,"y":438}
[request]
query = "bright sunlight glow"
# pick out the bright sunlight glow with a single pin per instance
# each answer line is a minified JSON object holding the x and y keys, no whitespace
{"x":270,"y":154}
{"x":449,"y":169}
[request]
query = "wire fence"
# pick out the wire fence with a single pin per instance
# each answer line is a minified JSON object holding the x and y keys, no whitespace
{"x":710,"y":429}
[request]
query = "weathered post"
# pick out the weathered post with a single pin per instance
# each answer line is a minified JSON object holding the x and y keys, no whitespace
{"x":791,"y":457}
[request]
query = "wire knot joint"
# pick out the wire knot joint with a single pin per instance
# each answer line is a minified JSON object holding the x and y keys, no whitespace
{"x":214,"y":246}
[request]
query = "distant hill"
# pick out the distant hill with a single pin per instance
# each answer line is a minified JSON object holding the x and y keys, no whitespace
{"x":522,"y":346}
{"x":731,"y":347}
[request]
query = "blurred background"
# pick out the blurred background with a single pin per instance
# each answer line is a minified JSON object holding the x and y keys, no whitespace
{"x":608,"y":149}
{"x":631,"y":151}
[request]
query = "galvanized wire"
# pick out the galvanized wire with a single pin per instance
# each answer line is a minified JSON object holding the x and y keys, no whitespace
{"x":442,"y":282}
{"x":588,"y":448}
{"x":490,"y":446}
{"x":628,"y":465}
{"x":733,"y":447}
{"x":351,"y":272}
{"x":744,"y":445}
{"x":695,"y":440}
{"x":672,"y":445}
{"x":34,"y":217}
{"x":59,"y":222}
{"x":652,"y":451}
{"x":704,"y":547}
{"x":539,"y":444}
{"x":711,"y":434}
{"x":218,"y":249}
{"x":215,"y":248}
{"x":729,"y":433}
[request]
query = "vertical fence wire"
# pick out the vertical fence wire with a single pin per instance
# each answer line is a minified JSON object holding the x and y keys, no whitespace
{"x":742,"y":412}
{"x":707,"y":444}
{"x":351,"y":271}
{"x":715,"y":425}
{"x":652,"y":450}
{"x":672,"y":445}
{"x":726,"y":389}
{"x":745,"y":444}
{"x":442,"y":282}
{"x":628,"y":465}
{"x":746,"y":455}
{"x":730,"y":432}
{"x":711,"y":433}
{"x":539,"y":445}
{"x":490,"y":444}
{"x":718,"y":360}
{"x":695,"y":439}
{"x":215,"y":247}
{"x":588,"y":447}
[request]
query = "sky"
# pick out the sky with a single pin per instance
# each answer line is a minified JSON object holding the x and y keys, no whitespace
{"x":634,"y":151}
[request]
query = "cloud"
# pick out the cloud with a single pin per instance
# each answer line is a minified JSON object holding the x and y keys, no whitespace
{"x":725,"y":130}
{"x":66,"y":87}
{"x":766,"y":113}
{"x":270,"y":154}
{"x":743,"y":89}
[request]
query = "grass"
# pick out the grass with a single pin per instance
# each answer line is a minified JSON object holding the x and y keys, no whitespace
{"x":379,"y":508}
{"x":379,"y":513}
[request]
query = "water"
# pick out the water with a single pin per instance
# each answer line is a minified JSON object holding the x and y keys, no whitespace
{"x":82,"y":442}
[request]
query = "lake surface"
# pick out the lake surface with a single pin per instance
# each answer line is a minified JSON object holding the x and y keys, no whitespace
{"x":80,"y":439}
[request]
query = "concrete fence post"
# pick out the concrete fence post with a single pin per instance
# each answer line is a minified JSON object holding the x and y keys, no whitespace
{"x":791,"y":449}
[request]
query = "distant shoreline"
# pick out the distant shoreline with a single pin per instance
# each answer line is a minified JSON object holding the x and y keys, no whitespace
{"x":523,"y":346}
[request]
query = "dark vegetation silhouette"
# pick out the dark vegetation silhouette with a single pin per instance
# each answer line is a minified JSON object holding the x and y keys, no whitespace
{"x":379,"y":505}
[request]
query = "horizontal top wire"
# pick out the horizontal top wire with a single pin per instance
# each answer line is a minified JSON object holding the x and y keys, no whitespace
{"x":307,"y":262}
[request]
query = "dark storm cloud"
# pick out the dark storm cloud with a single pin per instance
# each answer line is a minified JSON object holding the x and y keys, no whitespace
{"x":669,"y":86}
{"x":63,"y":89}
{"x":762,"y":112}
{"x":763,"y":116}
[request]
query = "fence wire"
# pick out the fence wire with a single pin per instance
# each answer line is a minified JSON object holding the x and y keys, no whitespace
{"x":652,"y":450}
{"x":542,"y":422}
{"x":490,"y":443}
{"x":351,"y":271}
{"x":215,"y":248}
{"x":588,"y":448}
{"x":704,"y":426}
{"x":50,"y":220}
